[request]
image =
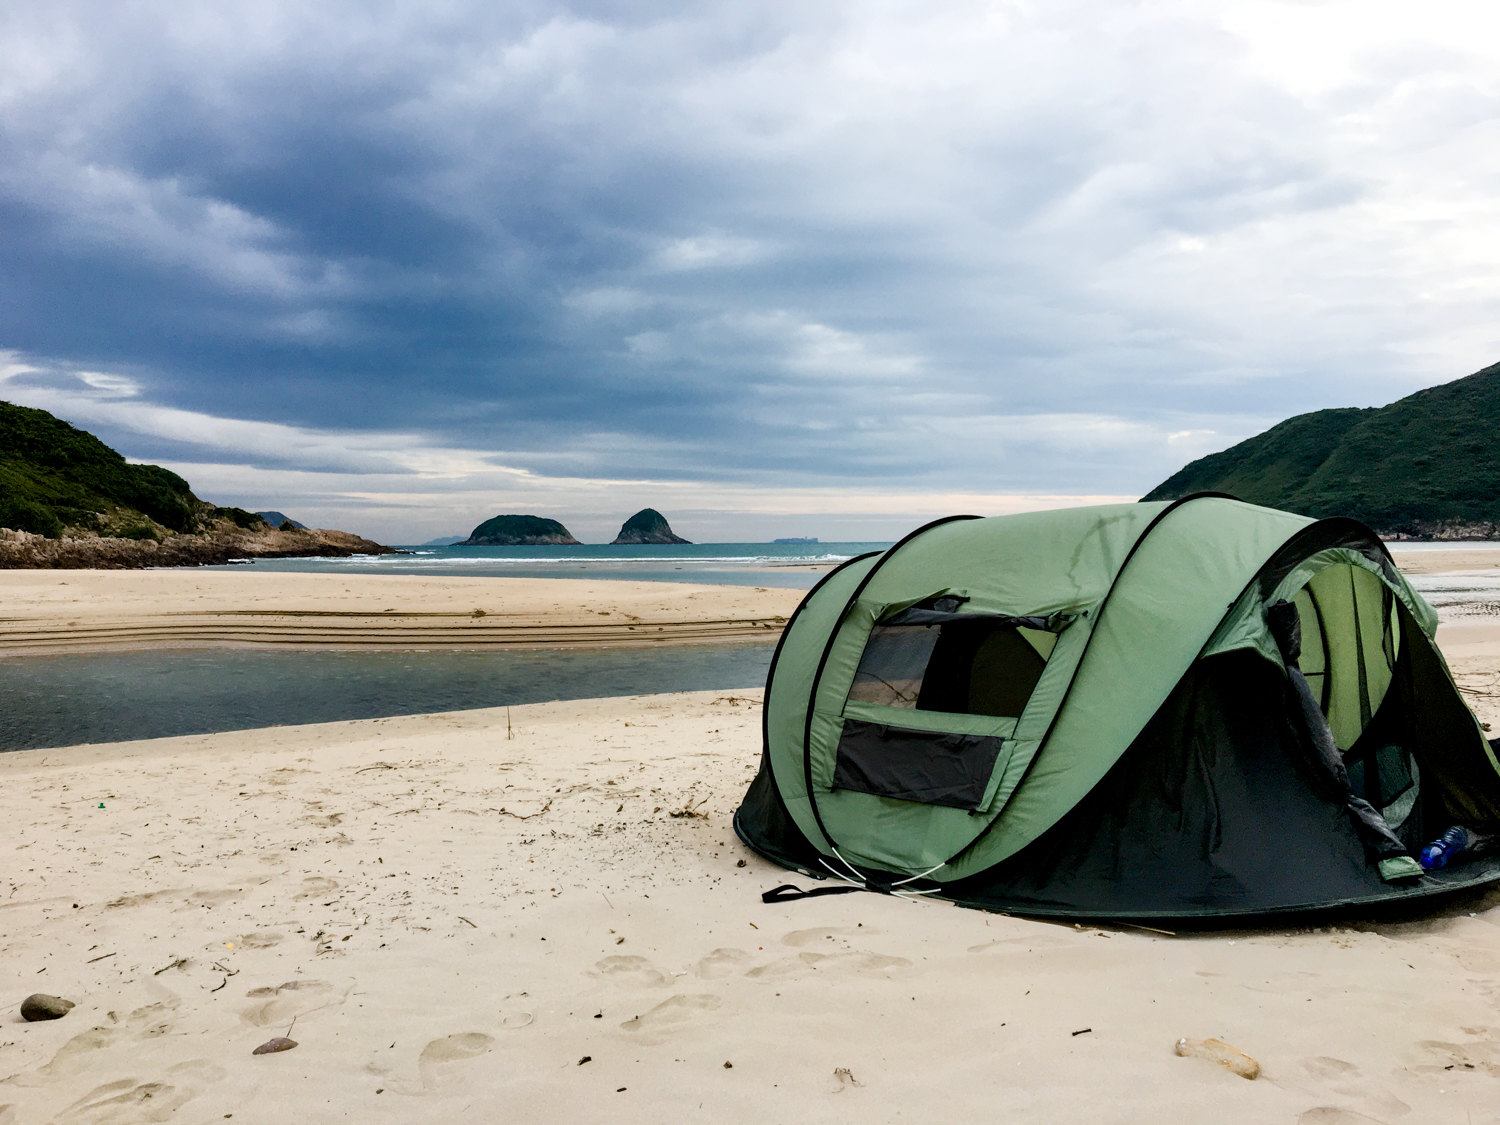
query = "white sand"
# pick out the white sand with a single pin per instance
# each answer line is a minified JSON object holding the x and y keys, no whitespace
{"x":233,"y":883}
{"x":454,"y":918}
{"x":91,"y":610}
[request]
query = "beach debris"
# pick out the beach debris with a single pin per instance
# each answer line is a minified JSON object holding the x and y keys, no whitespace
{"x":843,"y":1079}
{"x":177,"y":964}
{"x":272,"y":1046}
{"x":39,"y":1006}
{"x":1216,"y":1050}
{"x":586,"y":1058}
{"x":527,"y":816}
{"x":1088,"y":1030}
{"x":514,"y":1021}
{"x":691,"y":808}
{"x":741,"y":863}
{"x":728,"y":1065}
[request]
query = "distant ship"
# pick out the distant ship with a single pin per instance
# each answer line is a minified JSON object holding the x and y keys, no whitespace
{"x":814,"y":539}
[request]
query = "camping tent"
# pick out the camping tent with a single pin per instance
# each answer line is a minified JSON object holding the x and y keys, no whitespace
{"x":1202,"y":708}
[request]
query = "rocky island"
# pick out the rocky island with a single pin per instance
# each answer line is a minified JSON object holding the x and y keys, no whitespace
{"x":67,"y":500}
{"x":520,"y":531}
{"x":647,"y":526}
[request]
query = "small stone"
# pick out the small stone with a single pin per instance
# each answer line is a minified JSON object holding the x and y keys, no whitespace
{"x":40,"y":1006}
{"x":1216,"y":1050}
{"x":271,"y":1046}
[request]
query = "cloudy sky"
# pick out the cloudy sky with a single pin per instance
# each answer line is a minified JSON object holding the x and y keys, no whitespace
{"x":828,"y":268}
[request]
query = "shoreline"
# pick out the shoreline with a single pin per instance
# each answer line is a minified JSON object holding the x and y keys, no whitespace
{"x":50,"y":612}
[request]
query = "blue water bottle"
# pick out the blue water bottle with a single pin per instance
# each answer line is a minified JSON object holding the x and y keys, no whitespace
{"x":1442,"y":851}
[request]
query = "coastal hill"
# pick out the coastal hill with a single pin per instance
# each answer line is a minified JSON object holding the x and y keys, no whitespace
{"x":1422,"y":467}
{"x":647,"y":526}
{"x":519,"y":531}
{"x":69,"y":500}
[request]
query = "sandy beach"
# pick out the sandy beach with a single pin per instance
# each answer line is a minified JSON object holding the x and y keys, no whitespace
{"x":448,"y":921}
{"x":94,"y":610}
{"x":543,"y":914}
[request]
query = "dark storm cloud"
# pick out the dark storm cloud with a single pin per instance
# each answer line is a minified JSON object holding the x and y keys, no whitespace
{"x":990,"y":245}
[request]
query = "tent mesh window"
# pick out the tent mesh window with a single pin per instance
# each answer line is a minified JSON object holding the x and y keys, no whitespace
{"x":978,"y":666}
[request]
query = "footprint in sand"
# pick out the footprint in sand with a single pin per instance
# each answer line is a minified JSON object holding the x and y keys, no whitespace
{"x":1325,"y":1066}
{"x":152,"y":1020}
{"x":853,"y":963}
{"x":435,"y":1062}
{"x":671,"y":1015}
{"x":287,"y":1001}
{"x":722,"y":963}
{"x":314,"y":886}
{"x":76,"y":1055}
{"x":633,"y":970}
{"x":1340,"y":1077}
{"x":222,"y":895}
{"x":260,"y":939}
{"x":826,"y":934}
{"x":1441,"y":1057}
{"x":129,"y":1100}
{"x":7,"y":1114}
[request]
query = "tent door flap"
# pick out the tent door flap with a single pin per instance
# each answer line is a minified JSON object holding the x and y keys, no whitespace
{"x":925,"y":767}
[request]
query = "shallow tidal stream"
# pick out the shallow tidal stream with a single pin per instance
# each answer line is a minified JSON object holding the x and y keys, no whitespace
{"x":117,"y":696}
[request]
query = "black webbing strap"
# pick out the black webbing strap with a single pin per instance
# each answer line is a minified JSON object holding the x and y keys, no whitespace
{"x":787,"y":892}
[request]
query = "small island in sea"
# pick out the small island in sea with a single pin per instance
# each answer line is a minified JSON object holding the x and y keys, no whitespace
{"x":520,"y":531}
{"x":796,"y":539}
{"x":279,"y":520}
{"x":647,"y":526}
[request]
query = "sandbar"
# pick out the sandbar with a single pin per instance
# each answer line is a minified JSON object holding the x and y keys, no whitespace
{"x":49,"y":611}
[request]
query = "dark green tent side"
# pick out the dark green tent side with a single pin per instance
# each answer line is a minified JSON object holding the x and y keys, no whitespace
{"x":1087,"y":713}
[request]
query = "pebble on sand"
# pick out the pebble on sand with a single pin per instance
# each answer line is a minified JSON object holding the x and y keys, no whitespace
{"x":1216,"y":1050}
{"x":40,"y":1006}
{"x":271,"y":1046}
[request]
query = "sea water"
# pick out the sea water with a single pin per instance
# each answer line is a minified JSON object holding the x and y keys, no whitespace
{"x":113,"y":697}
{"x":793,"y":565}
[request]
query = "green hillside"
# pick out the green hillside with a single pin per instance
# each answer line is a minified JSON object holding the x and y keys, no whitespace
{"x":55,"y":477}
{"x":1423,"y":461}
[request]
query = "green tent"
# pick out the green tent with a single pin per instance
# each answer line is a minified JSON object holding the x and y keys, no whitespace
{"x":1203,"y":708}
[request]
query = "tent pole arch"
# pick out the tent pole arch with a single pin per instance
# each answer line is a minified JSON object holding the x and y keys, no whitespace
{"x":765,"y":702}
{"x":1082,"y":656}
{"x":812,"y":695}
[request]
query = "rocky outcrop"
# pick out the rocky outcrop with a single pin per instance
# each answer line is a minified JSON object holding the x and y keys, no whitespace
{"x":647,"y":526}
{"x":519,"y":531}
{"x":225,"y":541}
{"x":1444,"y":530}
